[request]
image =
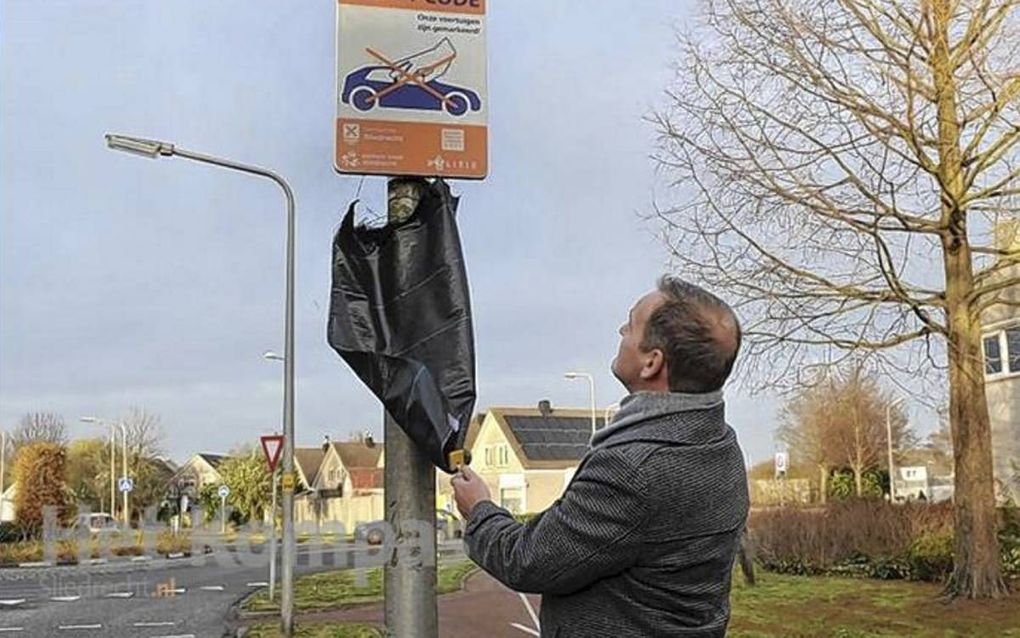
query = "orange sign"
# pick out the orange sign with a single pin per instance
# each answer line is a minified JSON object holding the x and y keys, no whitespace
{"x":411,"y":88}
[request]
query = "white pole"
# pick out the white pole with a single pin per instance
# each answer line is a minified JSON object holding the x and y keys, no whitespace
{"x":3,"y":457}
{"x":888,"y":439}
{"x":113,"y":473}
{"x":223,"y":514}
{"x":124,"y":467}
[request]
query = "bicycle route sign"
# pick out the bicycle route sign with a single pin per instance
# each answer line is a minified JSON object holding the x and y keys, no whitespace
{"x":411,"y":88}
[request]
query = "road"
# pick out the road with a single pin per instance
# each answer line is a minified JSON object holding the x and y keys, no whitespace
{"x":184,"y":598}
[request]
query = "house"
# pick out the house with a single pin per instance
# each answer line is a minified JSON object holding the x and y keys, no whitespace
{"x":1001,"y":341}
{"x":7,"y":502}
{"x":346,"y":486}
{"x":527,"y":456}
{"x":197,"y":472}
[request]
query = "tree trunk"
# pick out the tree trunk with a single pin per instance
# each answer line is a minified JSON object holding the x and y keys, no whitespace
{"x":976,"y":568}
{"x":823,"y":481}
{"x":859,"y":480}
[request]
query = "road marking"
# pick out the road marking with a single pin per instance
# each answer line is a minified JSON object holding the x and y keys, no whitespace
{"x":138,"y":559}
{"x":165,"y":623}
{"x":527,"y":630}
{"x":39,"y":563}
{"x":73,"y":627}
{"x":177,"y":636}
{"x":96,"y":561}
{"x":11,"y":603}
{"x":176,"y":555}
{"x":65,"y":599}
{"x":257,"y":583}
{"x":121,"y":594}
{"x":179,"y":590}
{"x":11,"y":629}
{"x":212,"y":588}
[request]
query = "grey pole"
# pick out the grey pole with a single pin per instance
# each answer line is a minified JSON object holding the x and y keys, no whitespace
{"x":272,"y":538}
{"x":410,"y":492}
{"x":154,"y":148}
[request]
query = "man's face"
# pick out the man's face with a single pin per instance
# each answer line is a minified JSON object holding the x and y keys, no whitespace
{"x":632,"y":366}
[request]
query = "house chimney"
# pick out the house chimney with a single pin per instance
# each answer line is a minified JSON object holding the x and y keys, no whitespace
{"x":325,"y":443}
{"x":545,"y":407}
{"x":369,"y":441}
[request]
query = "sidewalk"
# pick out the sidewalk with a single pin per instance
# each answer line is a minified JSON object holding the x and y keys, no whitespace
{"x":483,"y":609}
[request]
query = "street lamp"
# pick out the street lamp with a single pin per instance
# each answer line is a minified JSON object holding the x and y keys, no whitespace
{"x":591,"y":388}
{"x":269,"y":355}
{"x":155,"y":148}
{"x":888,"y":438}
{"x":124,"y":463}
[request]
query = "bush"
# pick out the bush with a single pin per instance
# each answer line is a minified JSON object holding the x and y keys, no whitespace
{"x":10,"y":532}
{"x":856,"y":537}
{"x":930,"y":557}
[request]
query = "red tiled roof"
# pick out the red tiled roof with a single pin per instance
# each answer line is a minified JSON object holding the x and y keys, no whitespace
{"x":365,"y":478}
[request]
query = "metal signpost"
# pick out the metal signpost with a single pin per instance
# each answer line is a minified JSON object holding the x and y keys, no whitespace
{"x":272,"y":445}
{"x":224,"y":492}
{"x":411,"y":101}
{"x":780,"y":462}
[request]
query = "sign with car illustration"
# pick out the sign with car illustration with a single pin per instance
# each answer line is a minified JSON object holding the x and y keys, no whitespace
{"x":411,"y":88}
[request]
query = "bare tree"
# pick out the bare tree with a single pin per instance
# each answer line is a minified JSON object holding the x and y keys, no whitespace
{"x":144,"y":433}
{"x":840,"y":168}
{"x":805,"y":426}
{"x":39,"y":427}
{"x":840,"y":422}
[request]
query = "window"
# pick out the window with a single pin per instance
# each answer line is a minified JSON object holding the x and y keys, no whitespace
{"x":1002,"y":351}
{"x":504,"y":456}
{"x":511,"y":499}
{"x":488,"y":455}
{"x":993,"y":356}
{"x":1013,"y":348}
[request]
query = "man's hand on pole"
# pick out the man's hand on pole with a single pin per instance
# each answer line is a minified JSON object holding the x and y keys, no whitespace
{"x":469,"y":490}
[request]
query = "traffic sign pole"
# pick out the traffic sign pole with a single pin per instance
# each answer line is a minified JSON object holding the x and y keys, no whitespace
{"x":272,"y":538}
{"x":410,"y":493}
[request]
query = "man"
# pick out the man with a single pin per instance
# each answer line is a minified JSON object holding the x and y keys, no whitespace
{"x":643,"y":540}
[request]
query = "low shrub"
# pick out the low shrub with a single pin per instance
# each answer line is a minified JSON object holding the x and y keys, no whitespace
{"x":870,"y":539}
{"x":930,"y":557}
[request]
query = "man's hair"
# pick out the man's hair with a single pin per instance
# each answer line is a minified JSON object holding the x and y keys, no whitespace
{"x":698,"y":334}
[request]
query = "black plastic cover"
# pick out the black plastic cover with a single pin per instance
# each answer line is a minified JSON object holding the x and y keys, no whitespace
{"x":400,"y":316}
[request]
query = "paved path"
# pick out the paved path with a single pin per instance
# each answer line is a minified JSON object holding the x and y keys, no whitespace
{"x":483,"y":609}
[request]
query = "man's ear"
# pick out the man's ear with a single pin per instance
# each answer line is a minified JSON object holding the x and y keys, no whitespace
{"x":654,"y":365}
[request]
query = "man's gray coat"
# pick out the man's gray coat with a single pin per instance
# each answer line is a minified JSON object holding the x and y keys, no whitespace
{"x":643,"y":540}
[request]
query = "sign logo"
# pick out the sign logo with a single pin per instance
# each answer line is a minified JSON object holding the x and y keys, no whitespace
{"x":125,"y":484}
{"x":224,"y":491}
{"x":272,"y":446}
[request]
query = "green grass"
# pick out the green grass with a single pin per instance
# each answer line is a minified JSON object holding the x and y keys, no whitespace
{"x":318,"y":631}
{"x":332,"y":590}
{"x":782,"y":605}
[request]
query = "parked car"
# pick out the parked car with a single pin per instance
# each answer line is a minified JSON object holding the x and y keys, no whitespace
{"x":448,"y":527}
{"x":96,"y":523}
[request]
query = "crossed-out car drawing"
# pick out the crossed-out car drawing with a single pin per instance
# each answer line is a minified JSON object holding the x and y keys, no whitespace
{"x":411,"y":82}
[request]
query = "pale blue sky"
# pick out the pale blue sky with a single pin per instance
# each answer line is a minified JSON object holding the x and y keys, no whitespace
{"x":126,"y":281}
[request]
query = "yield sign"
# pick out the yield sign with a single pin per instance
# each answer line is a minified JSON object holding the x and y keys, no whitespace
{"x":272,"y":445}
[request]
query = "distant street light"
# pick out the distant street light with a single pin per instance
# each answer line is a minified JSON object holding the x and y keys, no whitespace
{"x":156,"y":148}
{"x":113,"y":471}
{"x":888,"y":437}
{"x":269,"y":355}
{"x":591,"y":388}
